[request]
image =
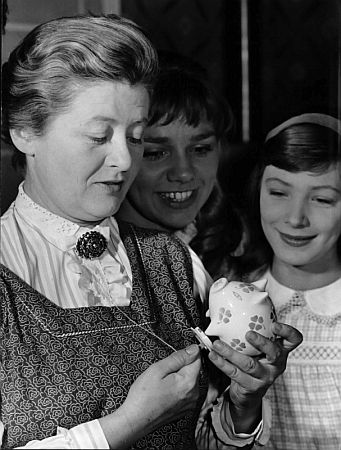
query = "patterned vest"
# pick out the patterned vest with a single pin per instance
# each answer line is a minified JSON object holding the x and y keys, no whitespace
{"x":63,"y":367}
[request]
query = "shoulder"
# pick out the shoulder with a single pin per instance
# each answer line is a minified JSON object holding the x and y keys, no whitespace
{"x":7,"y":216}
{"x":10,"y":285}
{"x":155,"y":238}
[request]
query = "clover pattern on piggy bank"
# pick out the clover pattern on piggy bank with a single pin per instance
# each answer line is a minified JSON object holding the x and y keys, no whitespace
{"x":236,"y":307}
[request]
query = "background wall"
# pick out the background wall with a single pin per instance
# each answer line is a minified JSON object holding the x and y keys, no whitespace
{"x":270,"y":58}
{"x":295,"y":60}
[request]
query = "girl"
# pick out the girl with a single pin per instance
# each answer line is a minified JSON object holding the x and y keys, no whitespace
{"x":297,"y":247}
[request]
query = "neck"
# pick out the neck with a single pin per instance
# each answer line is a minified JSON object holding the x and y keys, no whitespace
{"x":129,"y":214}
{"x":304,"y":278}
{"x":44,"y":206}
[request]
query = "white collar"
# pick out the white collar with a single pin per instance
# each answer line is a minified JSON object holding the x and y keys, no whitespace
{"x":325,"y":300}
{"x":59,"y":231}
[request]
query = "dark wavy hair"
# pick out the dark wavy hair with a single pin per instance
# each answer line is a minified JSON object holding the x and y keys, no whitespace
{"x":303,"y":147}
{"x":183,"y":91}
{"x":221,"y":228}
{"x":56,"y":59}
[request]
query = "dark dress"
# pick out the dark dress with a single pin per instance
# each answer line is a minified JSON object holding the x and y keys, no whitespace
{"x":63,"y":367}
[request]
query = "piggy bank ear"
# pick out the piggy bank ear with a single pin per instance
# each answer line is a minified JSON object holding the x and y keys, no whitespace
{"x":207,"y":313}
{"x":260,"y":284}
{"x":218,"y":285}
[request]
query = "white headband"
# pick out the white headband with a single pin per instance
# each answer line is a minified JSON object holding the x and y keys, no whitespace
{"x":319,"y":119}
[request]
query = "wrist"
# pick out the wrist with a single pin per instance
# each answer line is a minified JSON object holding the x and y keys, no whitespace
{"x":245,"y":415}
{"x":121,"y":429}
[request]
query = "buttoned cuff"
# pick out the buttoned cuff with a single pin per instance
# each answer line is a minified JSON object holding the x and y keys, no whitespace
{"x":224,"y":427}
{"x":88,"y":435}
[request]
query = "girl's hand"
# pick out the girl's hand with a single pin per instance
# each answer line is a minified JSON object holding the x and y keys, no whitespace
{"x":250,"y":376}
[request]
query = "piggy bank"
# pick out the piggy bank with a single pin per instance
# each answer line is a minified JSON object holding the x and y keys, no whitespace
{"x":235,"y":308}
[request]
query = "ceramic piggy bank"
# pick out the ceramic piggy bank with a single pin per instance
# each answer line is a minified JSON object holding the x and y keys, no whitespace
{"x":235,"y":308}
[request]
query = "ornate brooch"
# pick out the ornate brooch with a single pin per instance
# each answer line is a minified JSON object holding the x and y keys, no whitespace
{"x":91,"y":245}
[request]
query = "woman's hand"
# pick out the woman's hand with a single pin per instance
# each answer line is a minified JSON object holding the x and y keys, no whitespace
{"x":163,"y":393}
{"x":252,"y":376}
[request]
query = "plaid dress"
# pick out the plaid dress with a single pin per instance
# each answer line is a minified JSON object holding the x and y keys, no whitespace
{"x":306,"y":399}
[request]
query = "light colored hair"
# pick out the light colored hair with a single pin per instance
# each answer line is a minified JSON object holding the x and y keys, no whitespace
{"x":56,"y":59}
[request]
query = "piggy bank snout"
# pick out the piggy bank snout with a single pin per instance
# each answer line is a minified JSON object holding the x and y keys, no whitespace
{"x":212,"y":330}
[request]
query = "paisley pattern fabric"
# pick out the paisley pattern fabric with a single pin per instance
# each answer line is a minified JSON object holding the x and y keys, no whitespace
{"x":62,"y":367}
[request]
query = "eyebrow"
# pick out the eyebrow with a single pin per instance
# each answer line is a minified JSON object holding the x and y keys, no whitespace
{"x":100,"y":118}
{"x":165,"y":139}
{"x":314,"y":188}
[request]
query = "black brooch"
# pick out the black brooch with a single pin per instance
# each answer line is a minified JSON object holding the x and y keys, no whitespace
{"x":91,"y":245}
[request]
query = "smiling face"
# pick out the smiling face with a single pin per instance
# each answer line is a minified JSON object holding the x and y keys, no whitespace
{"x":301,"y":217}
{"x":87,"y":157}
{"x":177,"y":175}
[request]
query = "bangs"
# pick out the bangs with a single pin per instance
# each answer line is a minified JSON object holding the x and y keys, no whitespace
{"x":190,"y":109}
{"x":178,"y":96}
{"x":304,"y":148}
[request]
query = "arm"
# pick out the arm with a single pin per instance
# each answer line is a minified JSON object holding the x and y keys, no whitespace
{"x":163,"y":393}
{"x":251,"y":377}
{"x":85,"y":436}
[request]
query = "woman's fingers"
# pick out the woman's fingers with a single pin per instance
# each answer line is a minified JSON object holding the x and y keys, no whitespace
{"x":271,"y":349}
{"x":233,"y":362}
{"x":292,"y":338}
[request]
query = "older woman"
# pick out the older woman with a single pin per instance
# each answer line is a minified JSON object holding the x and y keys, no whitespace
{"x":96,"y":343}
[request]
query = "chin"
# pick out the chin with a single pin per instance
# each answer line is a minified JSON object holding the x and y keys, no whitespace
{"x":102,"y":214}
{"x":178,"y":225}
{"x":296,"y":260}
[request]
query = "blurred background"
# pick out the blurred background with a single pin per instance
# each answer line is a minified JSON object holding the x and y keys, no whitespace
{"x":271,"y":59}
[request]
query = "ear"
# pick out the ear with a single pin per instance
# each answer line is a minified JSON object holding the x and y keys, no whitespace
{"x":23,"y":139}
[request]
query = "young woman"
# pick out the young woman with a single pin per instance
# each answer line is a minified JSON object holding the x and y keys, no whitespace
{"x":176,"y":188}
{"x":297,"y":247}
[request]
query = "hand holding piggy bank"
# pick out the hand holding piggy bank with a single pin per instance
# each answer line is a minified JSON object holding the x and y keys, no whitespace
{"x":236,"y":307}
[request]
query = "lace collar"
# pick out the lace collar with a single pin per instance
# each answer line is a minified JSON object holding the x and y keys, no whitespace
{"x":325,"y":300}
{"x":60,"y":232}
{"x":106,"y":280}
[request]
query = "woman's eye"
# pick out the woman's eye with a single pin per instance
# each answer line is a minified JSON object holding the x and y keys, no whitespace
{"x":154,"y":155}
{"x":324,"y":201}
{"x":135,"y":141}
{"x":202,"y":150}
{"x":98,"y":140}
{"x":276,"y":193}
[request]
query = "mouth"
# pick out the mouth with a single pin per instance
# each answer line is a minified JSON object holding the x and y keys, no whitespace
{"x":111,"y":186}
{"x":296,"y":241}
{"x":177,"y":196}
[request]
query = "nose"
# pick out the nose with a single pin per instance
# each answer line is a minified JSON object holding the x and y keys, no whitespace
{"x":118,"y":154}
{"x":297,"y":214}
{"x":181,"y":169}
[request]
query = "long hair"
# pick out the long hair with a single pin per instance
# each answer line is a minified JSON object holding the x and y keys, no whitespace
{"x":302,"y":147}
{"x":220,"y":231}
{"x":183,"y":91}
